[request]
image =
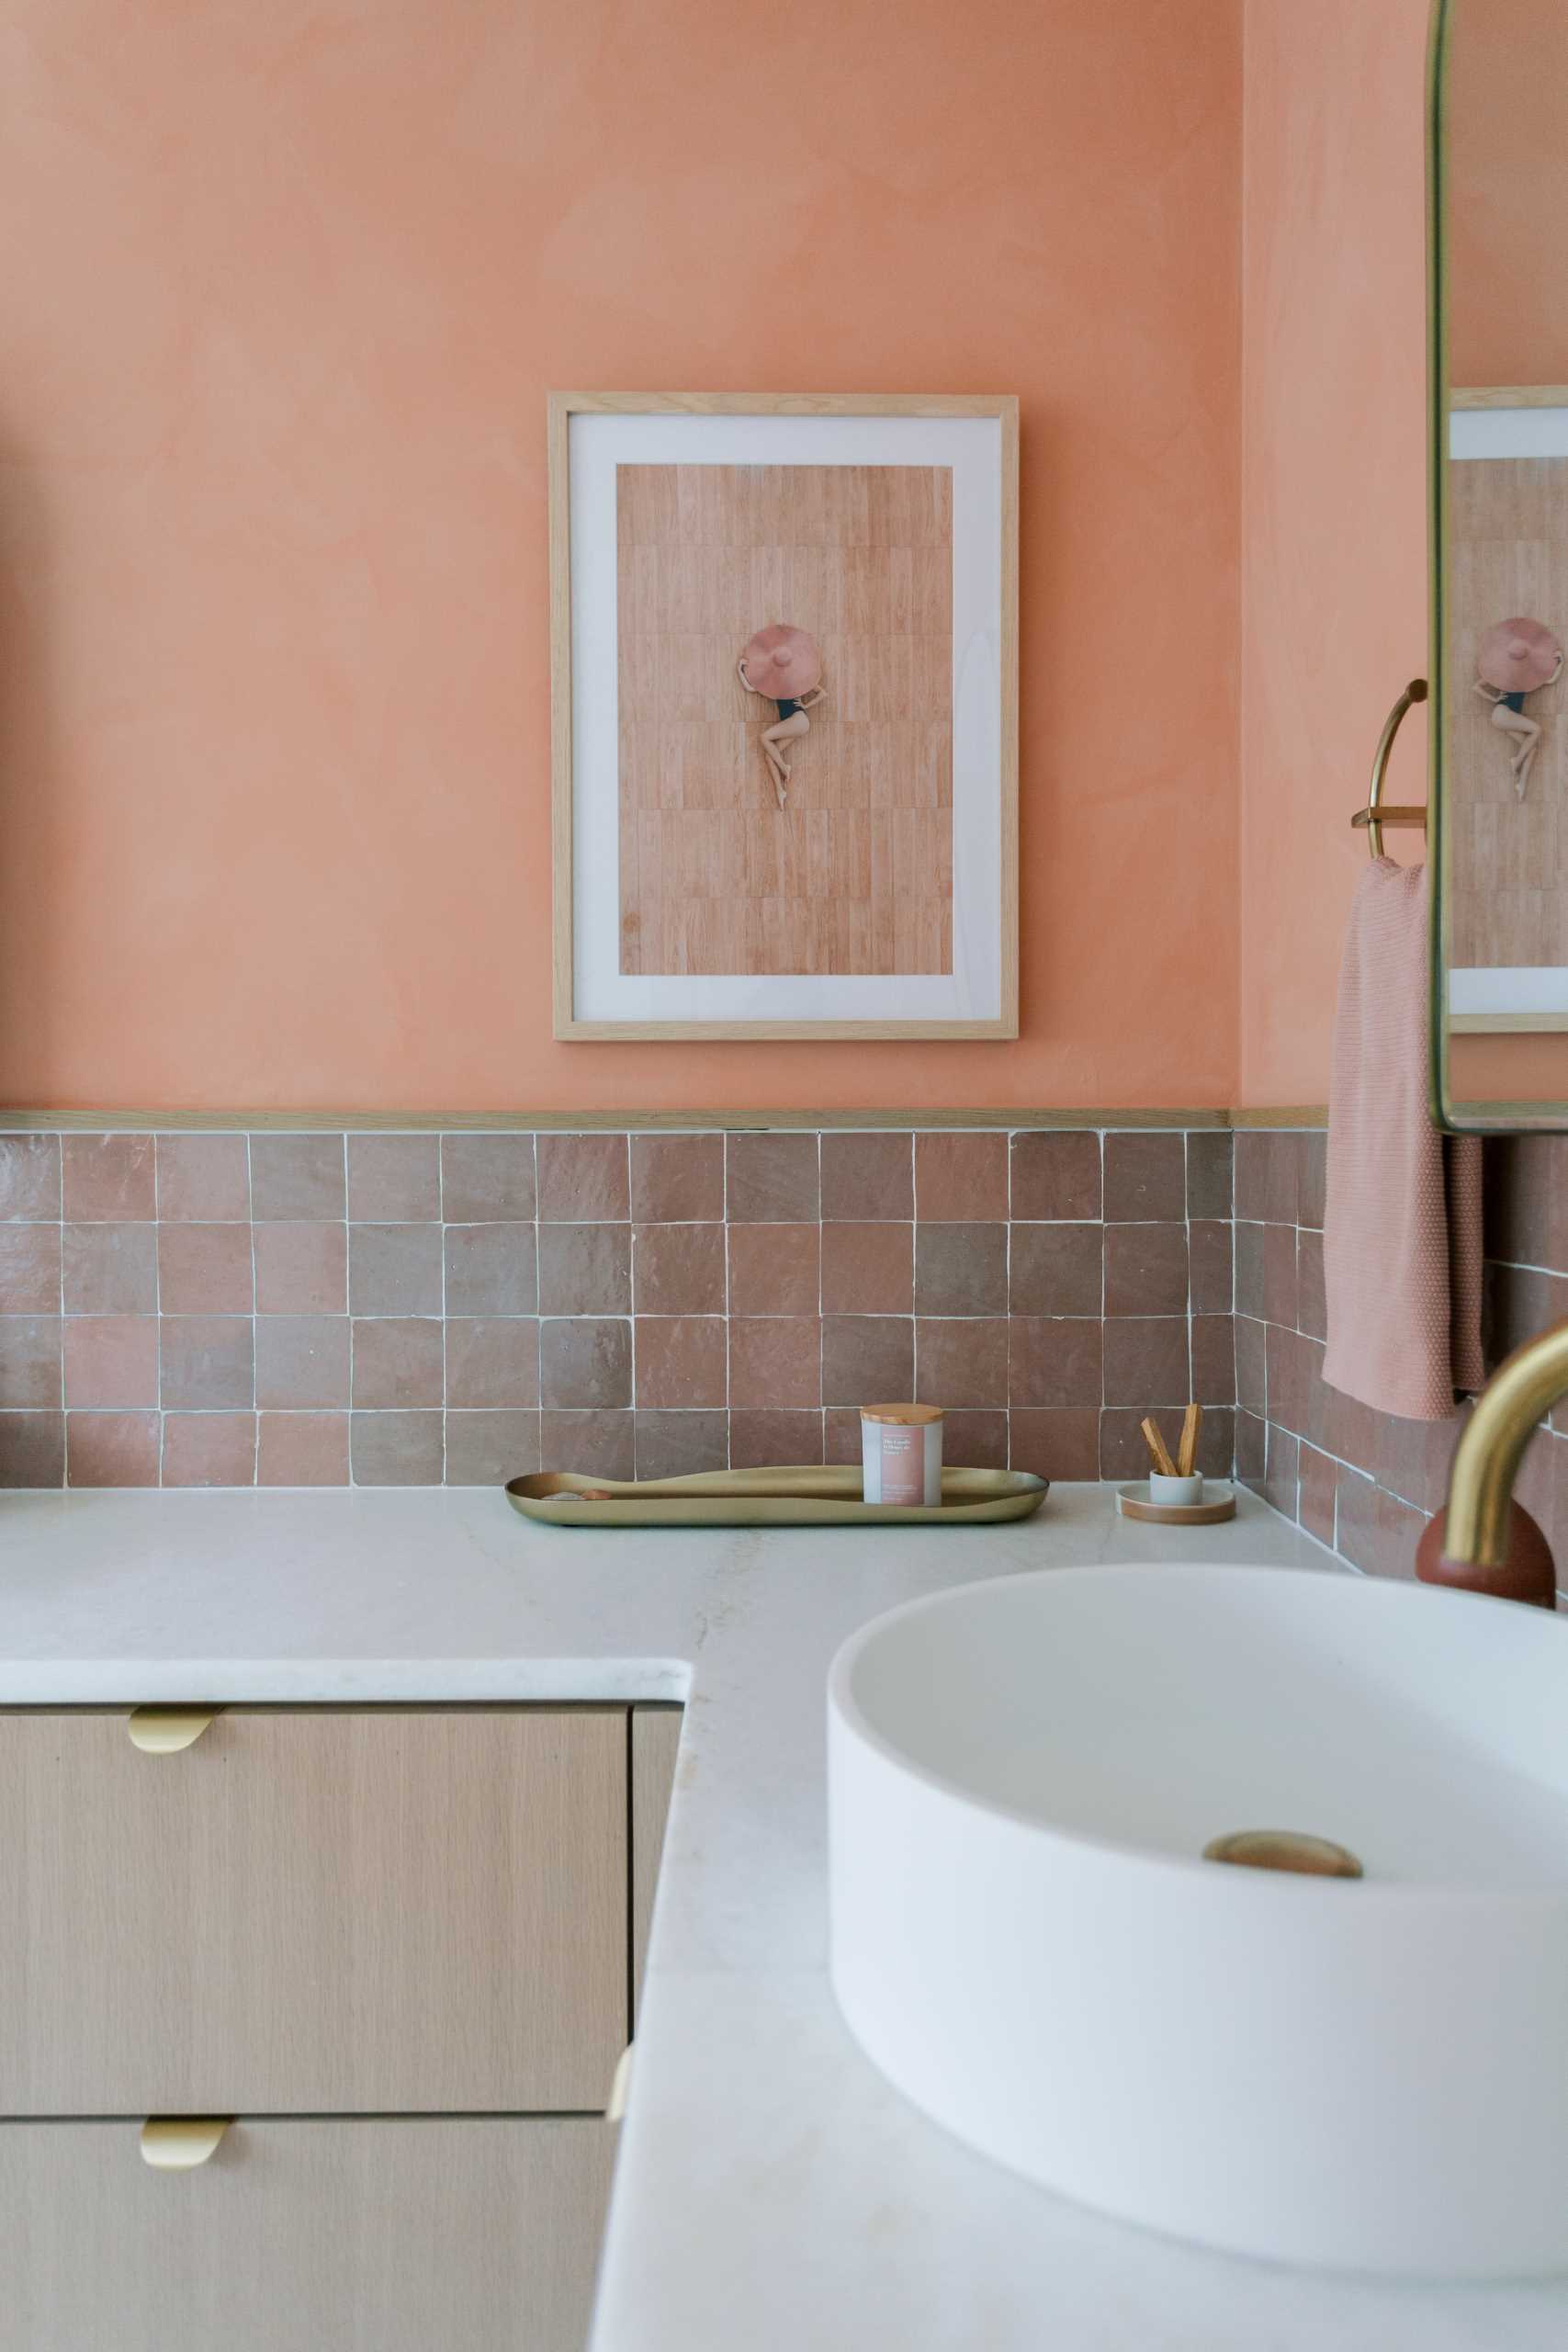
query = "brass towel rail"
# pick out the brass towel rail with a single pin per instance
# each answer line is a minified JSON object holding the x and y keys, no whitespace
{"x":1376,"y":814}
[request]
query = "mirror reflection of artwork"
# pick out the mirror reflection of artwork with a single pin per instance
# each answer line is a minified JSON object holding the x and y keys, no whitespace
{"x":768,"y":824}
{"x":1501,"y":765}
{"x":1517,"y":657}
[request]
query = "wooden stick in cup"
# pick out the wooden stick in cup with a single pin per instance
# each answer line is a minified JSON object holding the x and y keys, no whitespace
{"x":1157,"y":1447}
{"x":1187,"y":1459}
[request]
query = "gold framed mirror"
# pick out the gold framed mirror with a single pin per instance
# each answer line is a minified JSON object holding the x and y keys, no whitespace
{"x":1497,"y":167}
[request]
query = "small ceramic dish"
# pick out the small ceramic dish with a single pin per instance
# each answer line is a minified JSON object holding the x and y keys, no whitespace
{"x":1218,"y":1503}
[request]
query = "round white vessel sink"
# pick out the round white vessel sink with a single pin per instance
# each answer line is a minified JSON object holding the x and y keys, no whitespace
{"x":1364,"y":2073}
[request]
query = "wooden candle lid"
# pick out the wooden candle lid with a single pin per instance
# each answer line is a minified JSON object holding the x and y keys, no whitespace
{"x":910,"y":1416}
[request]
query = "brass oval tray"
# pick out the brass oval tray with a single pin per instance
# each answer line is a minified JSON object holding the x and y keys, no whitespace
{"x":799,"y":1495}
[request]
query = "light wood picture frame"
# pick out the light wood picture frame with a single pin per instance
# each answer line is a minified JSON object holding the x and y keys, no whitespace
{"x":855,"y":876}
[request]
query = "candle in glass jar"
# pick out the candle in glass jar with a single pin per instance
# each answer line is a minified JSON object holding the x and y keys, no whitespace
{"x":901,"y":1453}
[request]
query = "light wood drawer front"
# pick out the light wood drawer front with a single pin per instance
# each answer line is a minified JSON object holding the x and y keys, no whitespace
{"x":313,"y":1911}
{"x":397,"y":2234}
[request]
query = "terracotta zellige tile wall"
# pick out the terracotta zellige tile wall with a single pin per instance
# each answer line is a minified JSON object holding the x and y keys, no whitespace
{"x":1361,"y":1481}
{"x":311,"y":1308}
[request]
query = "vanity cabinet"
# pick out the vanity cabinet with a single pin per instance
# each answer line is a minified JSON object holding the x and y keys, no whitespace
{"x":396,"y":1947}
{"x":410,"y":2234}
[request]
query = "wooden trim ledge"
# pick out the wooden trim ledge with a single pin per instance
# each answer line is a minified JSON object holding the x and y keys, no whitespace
{"x":581,"y":1122}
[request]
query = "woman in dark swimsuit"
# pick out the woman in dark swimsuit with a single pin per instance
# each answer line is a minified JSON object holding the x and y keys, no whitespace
{"x":778,"y":659}
{"x":1515,"y":658}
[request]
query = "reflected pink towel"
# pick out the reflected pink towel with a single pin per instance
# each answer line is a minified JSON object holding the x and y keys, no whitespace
{"x":1402,"y":1230}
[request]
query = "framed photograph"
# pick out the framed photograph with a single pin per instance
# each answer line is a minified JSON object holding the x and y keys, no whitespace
{"x":785,"y":688}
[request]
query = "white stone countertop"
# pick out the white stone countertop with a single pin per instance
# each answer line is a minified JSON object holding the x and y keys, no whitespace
{"x":773,"y":2190}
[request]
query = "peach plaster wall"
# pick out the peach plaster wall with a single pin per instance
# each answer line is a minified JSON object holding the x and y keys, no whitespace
{"x":293,"y":284}
{"x":1333,"y":526}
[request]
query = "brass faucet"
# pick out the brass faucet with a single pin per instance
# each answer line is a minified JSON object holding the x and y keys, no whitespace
{"x":1486,"y":1459}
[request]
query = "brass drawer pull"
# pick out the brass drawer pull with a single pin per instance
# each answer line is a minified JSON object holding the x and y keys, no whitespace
{"x":164,"y":1731}
{"x":180,"y":2142}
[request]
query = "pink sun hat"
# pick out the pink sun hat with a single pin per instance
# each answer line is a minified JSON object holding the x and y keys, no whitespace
{"x":1518,"y":656}
{"x":781,"y":662}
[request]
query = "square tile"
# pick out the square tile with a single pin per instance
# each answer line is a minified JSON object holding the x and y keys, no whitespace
{"x":678,"y":1269}
{"x":680,"y":1360}
{"x":868,"y":1359}
{"x":1209,"y":1173}
{"x":769,"y":1437}
{"x":210,"y":1449}
{"x":677,"y":1180}
{"x":583,"y":1179}
{"x":302,"y":1450}
{"x":960,"y":1175}
{"x":302,"y":1360}
{"x":298,"y":1178}
{"x":488,"y":1179}
{"x":1145,"y":1270}
{"x":110,"y":1269}
{"x":491,"y":1270}
{"x":1060,"y":1443}
{"x":1212,"y":1267}
{"x":1279,"y":1274}
{"x":301,"y":1269}
{"x":1057,"y":1269}
{"x":1282,"y":1158}
{"x":867,"y":1177}
{"x":1289,"y":1392}
{"x":1055,"y":1174}
{"x":396,"y":1269}
{"x":1251,"y":1380}
{"x":868,"y":1268}
{"x":113,"y":1449}
{"x":205,"y":1361}
{"x":29,"y":1269}
{"x":396,"y":1448}
{"x":111,"y":1360}
{"x":1249,"y":1246}
{"x":1311,"y":1303}
{"x":1318,"y":1479}
{"x":492,"y":1360}
{"x":1213,"y":1359}
{"x":29,"y":1362}
{"x":771,"y":1180}
{"x":1216,"y":1441}
{"x":32,"y":1449}
{"x":108,"y":1178}
{"x":776,"y":1361}
{"x":775,"y":1269}
{"x":961,"y":1268}
{"x":1311,"y":1177}
{"x":961,"y":1360}
{"x":680,"y":1445}
{"x":394,"y":1180}
{"x":205,"y":1270}
{"x":1146,"y":1177}
{"x":594,"y":1444}
{"x":29,"y":1176}
{"x":203,"y":1179}
{"x":1055,"y":1360}
{"x":841,"y":1436}
{"x":975,"y":1440}
{"x":1281,"y":1474}
{"x":585,"y":1363}
{"x":398,"y":1362}
{"x":1252,"y":1163}
{"x":1146,"y":1361}
{"x":585,"y":1268}
{"x":1251,"y":1448}
{"x":486,"y":1449}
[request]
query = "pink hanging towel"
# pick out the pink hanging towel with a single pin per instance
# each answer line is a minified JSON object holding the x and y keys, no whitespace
{"x":1401,"y":1230}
